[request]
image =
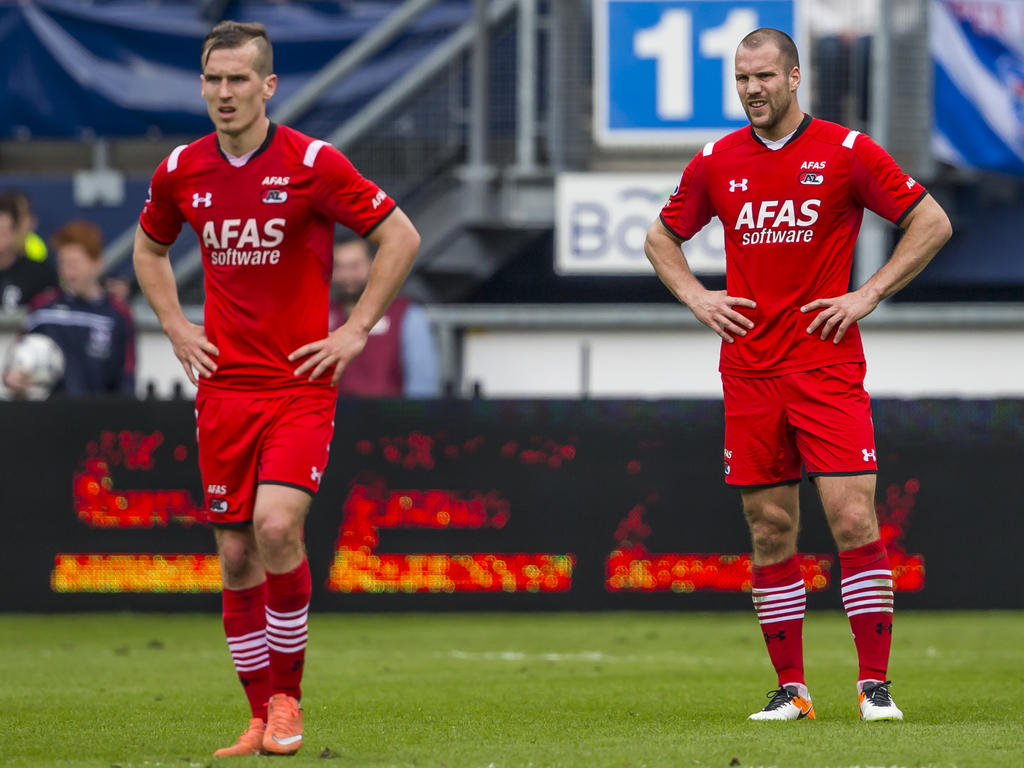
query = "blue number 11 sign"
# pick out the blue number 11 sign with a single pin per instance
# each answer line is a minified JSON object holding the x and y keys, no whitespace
{"x":663,"y":69}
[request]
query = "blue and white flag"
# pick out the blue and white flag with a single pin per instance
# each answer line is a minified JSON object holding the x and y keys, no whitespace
{"x":978,"y":51}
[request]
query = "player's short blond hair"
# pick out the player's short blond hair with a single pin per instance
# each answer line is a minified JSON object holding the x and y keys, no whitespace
{"x":234,"y":34}
{"x":782,"y":41}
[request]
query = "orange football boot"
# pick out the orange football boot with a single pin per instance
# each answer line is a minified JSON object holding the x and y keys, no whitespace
{"x":284,"y":725}
{"x":249,"y":743}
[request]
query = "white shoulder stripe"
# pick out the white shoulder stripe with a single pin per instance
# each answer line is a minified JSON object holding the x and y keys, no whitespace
{"x":172,"y":161}
{"x":311,"y":152}
{"x":850,"y":138}
{"x":708,"y":148}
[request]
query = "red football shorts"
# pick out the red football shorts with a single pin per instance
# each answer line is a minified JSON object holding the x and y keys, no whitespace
{"x":820,"y":418}
{"x":244,"y":442}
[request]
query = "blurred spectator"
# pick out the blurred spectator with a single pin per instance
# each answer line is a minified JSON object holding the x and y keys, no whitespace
{"x":95,"y":331}
{"x":841,"y":34}
{"x":21,"y":279}
{"x":31,"y":244}
{"x":118,"y":286}
{"x":400,"y":357}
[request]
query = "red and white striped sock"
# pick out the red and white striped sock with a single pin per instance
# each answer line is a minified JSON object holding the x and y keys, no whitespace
{"x":868,"y":598}
{"x":287,"y":614}
{"x":780,"y":598}
{"x":245,"y":627}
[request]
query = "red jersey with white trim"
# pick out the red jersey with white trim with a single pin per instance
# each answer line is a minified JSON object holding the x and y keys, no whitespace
{"x":267,"y":232}
{"x":791,"y":218}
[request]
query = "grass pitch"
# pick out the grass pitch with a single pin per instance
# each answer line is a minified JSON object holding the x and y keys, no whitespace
{"x":509,"y":690}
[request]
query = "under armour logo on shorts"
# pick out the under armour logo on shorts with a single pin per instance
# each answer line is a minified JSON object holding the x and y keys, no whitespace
{"x":315,"y":475}
{"x":868,"y":455}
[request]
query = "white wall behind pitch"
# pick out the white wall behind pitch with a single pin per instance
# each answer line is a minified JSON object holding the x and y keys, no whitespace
{"x":902,"y":362}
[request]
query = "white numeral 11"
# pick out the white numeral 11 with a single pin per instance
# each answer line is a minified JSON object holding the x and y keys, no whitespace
{"x":668,"y":42}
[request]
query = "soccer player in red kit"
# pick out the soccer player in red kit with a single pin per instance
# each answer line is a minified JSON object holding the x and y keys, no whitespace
{"x":264,"y":199}
{"x":791,"y":191}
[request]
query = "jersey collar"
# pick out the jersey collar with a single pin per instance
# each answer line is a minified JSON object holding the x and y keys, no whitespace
{"x":271,"y":130}
{"x":796,"y":134}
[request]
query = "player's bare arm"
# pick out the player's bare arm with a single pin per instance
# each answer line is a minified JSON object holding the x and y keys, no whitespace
{"x":397,"y":242}
{"x":716,"y":309}
{"x":156,"y":279}
{"x":926,"y":230}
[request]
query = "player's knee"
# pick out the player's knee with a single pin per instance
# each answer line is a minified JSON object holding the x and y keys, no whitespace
{"x":769,"y":541}
{"x":769,"y":520}
{"x":853,"y":526}
{"x":235,"y":563}
{"x":277,"y":536}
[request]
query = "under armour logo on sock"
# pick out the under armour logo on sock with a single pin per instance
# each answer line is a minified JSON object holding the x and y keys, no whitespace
{"x":880,"y":628}
{"x":296,"y":665}
{"x":780,"y":636}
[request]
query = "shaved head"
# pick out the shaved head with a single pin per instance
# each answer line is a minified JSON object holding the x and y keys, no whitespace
{"x":776,"y":37}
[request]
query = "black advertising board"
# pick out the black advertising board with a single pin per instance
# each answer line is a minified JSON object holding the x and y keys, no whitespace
{"x":504,"y":505}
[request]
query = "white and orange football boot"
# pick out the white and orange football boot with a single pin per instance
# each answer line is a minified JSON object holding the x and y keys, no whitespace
{"x":786,"y":703}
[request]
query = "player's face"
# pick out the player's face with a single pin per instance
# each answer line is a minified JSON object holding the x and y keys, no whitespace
{"x":766,"y":87}
{"x":351,"y":270}
{"x":79,"y":273}
{"x":235,"y":94}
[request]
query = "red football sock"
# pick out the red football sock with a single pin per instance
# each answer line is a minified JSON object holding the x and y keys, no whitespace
{"x":780,"y":597}
{"x":287,"y":610}
{"x":245,"y":627}
{"x":867,"y":597}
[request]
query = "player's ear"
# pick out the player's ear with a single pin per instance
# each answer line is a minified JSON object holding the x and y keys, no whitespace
{"x":269,"y":86}
{"x":794,"y":78}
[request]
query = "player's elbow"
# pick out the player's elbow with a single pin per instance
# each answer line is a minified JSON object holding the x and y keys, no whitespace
{"x":650,"y":239}
{"x":943,"y":227}
{"x":413,"y":240}
{"x":656,"y":241}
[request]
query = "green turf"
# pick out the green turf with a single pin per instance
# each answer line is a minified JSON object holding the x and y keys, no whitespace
{"x":503,"y":690}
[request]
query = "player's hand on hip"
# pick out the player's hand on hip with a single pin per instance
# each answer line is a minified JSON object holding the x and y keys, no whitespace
{"x":837,"y":314}
{"x":716,"y":309}
{"x":193,"y":350}
{"x":339,"y":348}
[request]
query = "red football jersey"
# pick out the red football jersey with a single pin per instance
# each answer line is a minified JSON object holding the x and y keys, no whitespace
{"x":791,"y":219}
{"x":267,"y":234}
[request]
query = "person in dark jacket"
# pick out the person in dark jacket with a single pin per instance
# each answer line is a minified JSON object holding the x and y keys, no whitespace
{"x":94,"y":330}
{"x":21,"y":278}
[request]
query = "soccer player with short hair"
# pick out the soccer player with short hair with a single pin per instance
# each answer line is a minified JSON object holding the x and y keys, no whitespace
{"x":264,"y":199}
{"x":791,"y":191}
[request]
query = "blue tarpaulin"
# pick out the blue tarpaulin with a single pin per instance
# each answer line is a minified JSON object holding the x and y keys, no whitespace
{"x":129,"y":68}
{"x":978,"y":54}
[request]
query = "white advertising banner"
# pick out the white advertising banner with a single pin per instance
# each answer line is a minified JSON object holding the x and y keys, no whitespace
{"x":601,"y":220}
